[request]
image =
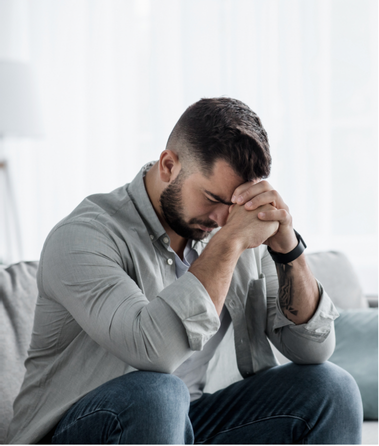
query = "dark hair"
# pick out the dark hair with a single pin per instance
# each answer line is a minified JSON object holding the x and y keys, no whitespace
{"x":223,"y":128}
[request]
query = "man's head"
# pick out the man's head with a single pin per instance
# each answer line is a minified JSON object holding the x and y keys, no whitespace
{"x":221,"y":129}
{"x":217,"y":144}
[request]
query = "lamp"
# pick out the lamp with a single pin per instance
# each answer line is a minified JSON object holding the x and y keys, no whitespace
{"x":19,"y":117}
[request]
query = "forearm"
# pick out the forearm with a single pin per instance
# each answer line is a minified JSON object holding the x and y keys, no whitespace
{"x":214,"y":268}
{"x":298,"y":290}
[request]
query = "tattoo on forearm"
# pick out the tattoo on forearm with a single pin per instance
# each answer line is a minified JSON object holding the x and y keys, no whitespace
{"x":285,"y":287}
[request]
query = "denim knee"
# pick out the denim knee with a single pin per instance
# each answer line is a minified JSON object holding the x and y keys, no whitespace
{"x":140,"y":407}
{"x":160,"y":410}
{"x":336,"y":383}
{"x":330,"y":401}
{"x":159,"y":390}
{"x":339,"y":397}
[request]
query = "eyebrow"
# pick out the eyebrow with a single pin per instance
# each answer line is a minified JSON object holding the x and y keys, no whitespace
{"x":216,"y":197}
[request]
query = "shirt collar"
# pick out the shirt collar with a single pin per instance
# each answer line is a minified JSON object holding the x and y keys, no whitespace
{"x":142,"y":203}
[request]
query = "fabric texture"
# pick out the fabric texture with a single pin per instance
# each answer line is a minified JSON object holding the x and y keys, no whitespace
{"x":357,"y":352}
{"x":18,"y":295}
{"x":327,"y":410}
{"x":336,"y":273}
{"x":289,"y":404}
{"x":137,"y":408}
{"x":109,"y":303}
{"x":193,"y":370}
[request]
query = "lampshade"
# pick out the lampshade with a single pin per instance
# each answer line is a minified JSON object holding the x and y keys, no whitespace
{"x":19,"y":105}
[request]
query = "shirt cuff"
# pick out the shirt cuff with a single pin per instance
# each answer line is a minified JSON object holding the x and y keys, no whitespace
{"x":320,"y":324}
{"x":191,"y":302}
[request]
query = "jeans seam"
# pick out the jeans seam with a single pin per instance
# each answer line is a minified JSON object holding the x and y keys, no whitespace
{"x":253,"y":422}
{"x":87,"y":415}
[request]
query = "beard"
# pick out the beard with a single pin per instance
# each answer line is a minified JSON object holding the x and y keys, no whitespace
{"x":172,"y":209}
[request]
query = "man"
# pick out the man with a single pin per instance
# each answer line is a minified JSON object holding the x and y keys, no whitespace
{"x":139,"y":297}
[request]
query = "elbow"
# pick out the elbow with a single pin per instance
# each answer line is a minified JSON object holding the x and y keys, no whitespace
{"x":155,"y":353}
{"x":316,"y":352}
{"x":156,"y":366}
{"x":164,"y":362}
{"x":311,"y":358}
{"x":150,"y":343}
{"x":319,"y":354}
{"x":302,"y":350}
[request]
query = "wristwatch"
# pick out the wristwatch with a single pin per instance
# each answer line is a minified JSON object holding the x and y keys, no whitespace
{"x":277,"y":257}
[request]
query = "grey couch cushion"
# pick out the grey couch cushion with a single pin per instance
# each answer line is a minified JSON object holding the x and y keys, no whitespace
{"x":334,"y":270}
{"x":18,"y":295}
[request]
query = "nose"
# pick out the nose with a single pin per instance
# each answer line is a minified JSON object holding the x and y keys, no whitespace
{"x":220,"y":214}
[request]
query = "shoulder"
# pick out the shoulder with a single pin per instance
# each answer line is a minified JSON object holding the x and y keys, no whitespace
{"x":101,"y":223}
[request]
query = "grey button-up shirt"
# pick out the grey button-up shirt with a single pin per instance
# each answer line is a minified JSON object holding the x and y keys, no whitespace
{"x":110,"y":303}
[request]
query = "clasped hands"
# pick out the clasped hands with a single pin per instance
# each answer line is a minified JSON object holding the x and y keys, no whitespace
{"x":261,"y":217}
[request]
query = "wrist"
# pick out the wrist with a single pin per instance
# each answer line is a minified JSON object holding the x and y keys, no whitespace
{"x":288,"y":241}
{"x":290,"y":256}
{"x":230,"y":241}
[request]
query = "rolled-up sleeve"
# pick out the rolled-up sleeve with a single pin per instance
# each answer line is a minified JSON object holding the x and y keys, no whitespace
{"x":309,"y":343}
{"x":196,"y":310}
{"x":318,"y":327}
{"x":81,"y":268}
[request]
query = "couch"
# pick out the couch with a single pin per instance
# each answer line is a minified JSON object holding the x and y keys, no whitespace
{"x":356,"y":331}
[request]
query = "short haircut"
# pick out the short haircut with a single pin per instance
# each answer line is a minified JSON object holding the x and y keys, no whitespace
{"x":222,"y":129}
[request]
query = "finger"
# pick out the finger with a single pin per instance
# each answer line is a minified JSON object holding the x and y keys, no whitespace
{"x":280,"y":215}
{"x":269,"y":197}
{"x":249,"y":190}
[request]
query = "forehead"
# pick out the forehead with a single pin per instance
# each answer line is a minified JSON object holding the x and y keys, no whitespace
{"x":222,"y":182}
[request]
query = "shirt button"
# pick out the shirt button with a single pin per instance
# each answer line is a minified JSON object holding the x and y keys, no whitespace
{"x":165,"y":239}
{"x":151,"y":236}
{"x":170,"y":261}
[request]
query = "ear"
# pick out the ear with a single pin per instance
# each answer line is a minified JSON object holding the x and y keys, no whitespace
{"x":169,"y":166}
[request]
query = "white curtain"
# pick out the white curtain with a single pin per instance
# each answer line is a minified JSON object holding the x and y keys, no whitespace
{"x":114,"y":76}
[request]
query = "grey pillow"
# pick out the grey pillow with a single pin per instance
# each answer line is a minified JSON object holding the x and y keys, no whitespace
{"x":334,"y":270}
{"x":18,"y":295}
{"x":357,"y":352}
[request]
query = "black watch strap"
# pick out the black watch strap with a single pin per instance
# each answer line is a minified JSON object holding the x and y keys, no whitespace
{"x":277,"y":257}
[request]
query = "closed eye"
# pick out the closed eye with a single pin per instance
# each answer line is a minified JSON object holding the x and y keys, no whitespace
{"x":217,"y":199}
{"x":214,"y":202}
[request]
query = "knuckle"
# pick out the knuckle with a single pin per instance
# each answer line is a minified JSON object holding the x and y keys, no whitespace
{"x":254,"y":201}
{"x":266,"y":185}
{"x":237,"y":191}
{"x":267,"y":207}
{"x":242,"y":188}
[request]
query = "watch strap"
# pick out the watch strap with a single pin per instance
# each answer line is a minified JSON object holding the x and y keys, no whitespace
{"x":289,"y":256}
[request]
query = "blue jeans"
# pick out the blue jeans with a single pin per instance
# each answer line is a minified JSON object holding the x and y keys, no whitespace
{"x":307,"y":404}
